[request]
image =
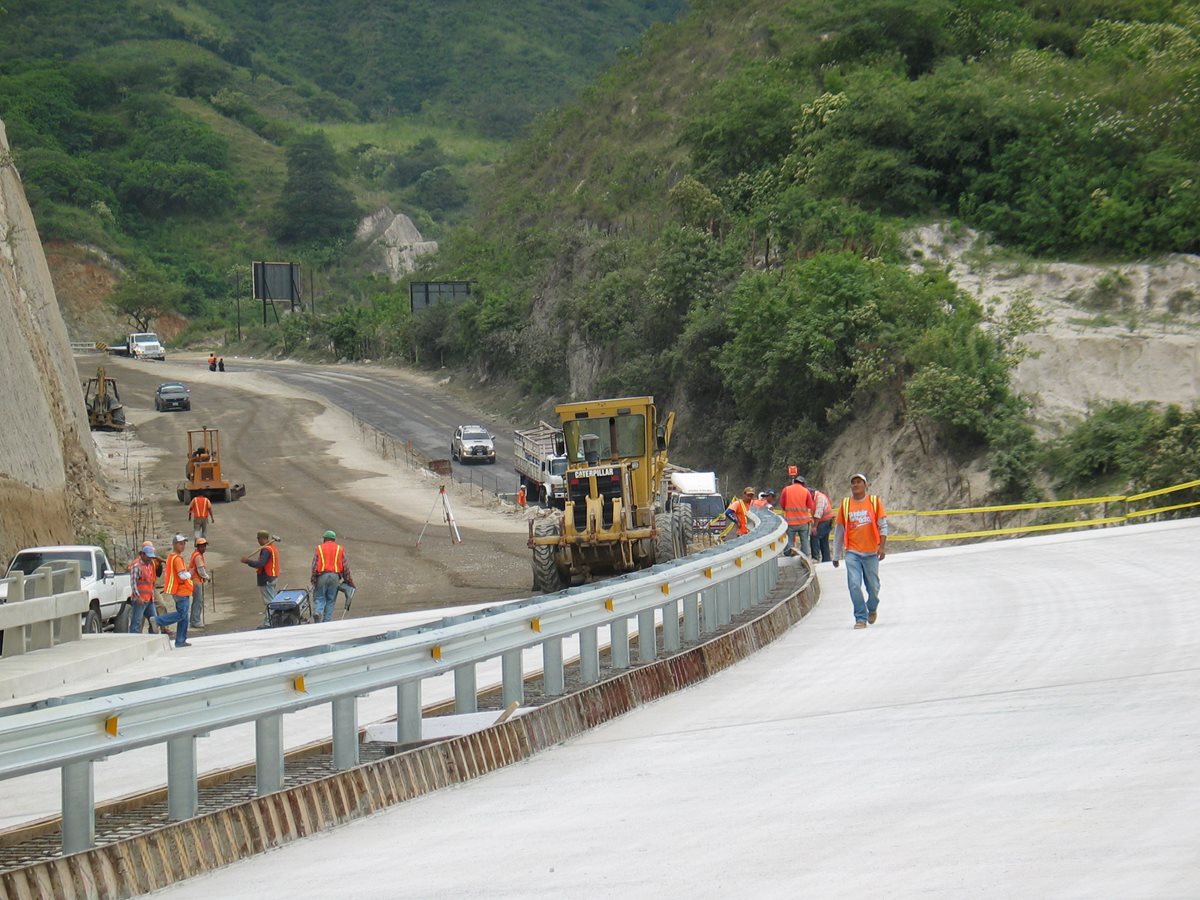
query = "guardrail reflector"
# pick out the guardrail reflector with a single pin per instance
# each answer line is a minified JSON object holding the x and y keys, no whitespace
{"x":738,"y":562}
{"x":608,"y":604}
{"x":708,"y":572}
{"x":110,"y":725}
{"x":758,"y":552}
{"x":436,"y":651}
{"x":666,"y":589}
{"x":535,"y":624}
{"x":772,"y":545}
{"x":298,"y":684}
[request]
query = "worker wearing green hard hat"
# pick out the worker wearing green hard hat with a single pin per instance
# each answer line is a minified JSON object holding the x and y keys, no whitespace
{"x":329,"y":570}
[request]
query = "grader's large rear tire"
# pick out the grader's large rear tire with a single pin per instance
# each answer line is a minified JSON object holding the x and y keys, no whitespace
{"x":547,"y":577}
{"x":686,"y":531}
{"x":669,"y":543}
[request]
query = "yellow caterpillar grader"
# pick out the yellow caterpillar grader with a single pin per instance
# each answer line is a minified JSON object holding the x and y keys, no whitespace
{"x":614,"y":518}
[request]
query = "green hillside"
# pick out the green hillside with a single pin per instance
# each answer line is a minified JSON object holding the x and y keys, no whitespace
{"x":164,"y":132}
{"x":716,"y":219}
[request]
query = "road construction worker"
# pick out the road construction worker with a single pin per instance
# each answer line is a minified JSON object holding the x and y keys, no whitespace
{"x":142,"y":574}
{"x":822,"y":525}
{"x":200,"y":512}
{"x":177,"y":581}
{"x":761,"y":502}
{"x":860,"y":532}
{"x":736,"y":513}
{"x":212,"y":362}
{"x":797,"y":504}
{"x":329,"y":570}
{"x":198,"y":566}
{"x":265,"y":563}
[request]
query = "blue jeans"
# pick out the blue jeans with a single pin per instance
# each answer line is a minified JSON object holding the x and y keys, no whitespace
{"x":325,"y":593}
{"x":182,"y":604}
{"x":140,"y":610}
{"x":799,"y":533}
{"x":820,"y":541}
{"x":860,"y":568}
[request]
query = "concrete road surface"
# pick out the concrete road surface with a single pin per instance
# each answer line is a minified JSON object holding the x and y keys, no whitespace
{"x":1022,"y":721}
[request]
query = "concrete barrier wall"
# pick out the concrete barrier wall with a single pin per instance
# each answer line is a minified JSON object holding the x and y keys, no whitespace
{"x":184,"y":849}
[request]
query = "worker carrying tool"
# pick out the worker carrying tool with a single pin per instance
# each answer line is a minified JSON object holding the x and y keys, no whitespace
{"x":329,"y":570}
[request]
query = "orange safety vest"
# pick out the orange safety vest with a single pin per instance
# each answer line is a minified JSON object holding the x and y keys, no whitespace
{"x":201,"y":507}
{"x":824,"y":510}
{"x":172,"y":583}
{"x":197,"y":556}
{"x":143,"y":581}
{"x":844,"y":520}
{"x":271,"y":569}
{"x":760,"y":503}
{"x":331,"y":557}
{"x":796,"y":503}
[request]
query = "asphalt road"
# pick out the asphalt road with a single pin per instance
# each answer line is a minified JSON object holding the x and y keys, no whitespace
{"x":296,"y":488}
{"x":403,"y":409}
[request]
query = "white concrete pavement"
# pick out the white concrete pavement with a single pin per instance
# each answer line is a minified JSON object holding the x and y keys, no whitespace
{"x":1022,"y":721}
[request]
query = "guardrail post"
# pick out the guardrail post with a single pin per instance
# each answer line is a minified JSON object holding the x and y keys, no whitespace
{"x":691,"y":617}
{"x":345,"y":732}
{"x":647,"y":636}
{"x":513,"y":678}
{"x":589,"y":655}
{"x":14,"y":645}
{"x":408,"y":711}
{"x":553,"y":682}
{"x":619,"y":643}
{"x":723,"y":595}
{"x":78,"y":807}
{"x":465,"y":700}
{"x":183,"y":797}
{"x":670,"y":614}
{"x":268,"y":754}
{"x":708,"y":608}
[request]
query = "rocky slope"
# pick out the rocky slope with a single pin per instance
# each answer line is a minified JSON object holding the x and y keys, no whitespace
{"x":47,"y":461}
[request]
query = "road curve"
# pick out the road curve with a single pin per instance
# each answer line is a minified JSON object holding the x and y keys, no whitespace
{"x":1022,"y":721}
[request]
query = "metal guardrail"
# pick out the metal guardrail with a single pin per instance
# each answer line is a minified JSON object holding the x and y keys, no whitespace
{"x":72,"y":734}
{"x":42,"y":609}
{"x":86,"y":347}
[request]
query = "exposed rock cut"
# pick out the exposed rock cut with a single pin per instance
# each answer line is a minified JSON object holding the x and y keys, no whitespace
{"x":394,"y":242}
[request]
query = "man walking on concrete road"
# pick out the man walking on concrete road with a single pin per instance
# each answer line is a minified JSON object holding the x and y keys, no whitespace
{"x":177,"y":581}
{"x":329,"y":570}
{"x":797,"y":504}
{"x":860,"y":531}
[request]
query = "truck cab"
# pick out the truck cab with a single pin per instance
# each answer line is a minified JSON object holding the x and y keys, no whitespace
{"x":108,"y":592}
{"x":144,"y":345}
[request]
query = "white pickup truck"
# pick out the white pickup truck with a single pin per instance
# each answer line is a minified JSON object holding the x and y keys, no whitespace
{"x":108,"y":593}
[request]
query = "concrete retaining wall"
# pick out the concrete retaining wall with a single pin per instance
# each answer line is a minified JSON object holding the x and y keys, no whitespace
{"x":184,"y":849}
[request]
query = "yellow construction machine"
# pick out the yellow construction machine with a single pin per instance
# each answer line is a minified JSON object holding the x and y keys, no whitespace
{"x":104,"y":409}
{"x":203,"y":469}
{"x":614,"y":518}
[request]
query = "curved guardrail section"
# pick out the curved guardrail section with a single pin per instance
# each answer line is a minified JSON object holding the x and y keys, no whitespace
{"x":74,"y":732}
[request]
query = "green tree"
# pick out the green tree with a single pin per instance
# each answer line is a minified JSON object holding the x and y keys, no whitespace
{"x":314,"y":206}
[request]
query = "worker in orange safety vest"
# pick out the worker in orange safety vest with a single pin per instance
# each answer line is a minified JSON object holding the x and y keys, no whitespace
{"x":798,"y":505}
{"x":142,"y":574}
{"x":200,"y":513}
{"x":860,"y":535}
{"x":736,"y":513}
{"x":822,"y":525}
{"x":329,"y":570}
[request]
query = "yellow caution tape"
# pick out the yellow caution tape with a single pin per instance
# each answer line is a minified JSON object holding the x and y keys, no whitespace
{"x":1166,"y":490}
{"x":1055,"y":504}
{"x":1018,"y":529}
{"x":1160,"y":509}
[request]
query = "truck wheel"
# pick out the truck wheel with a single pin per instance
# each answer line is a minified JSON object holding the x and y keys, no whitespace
{"x":547,"y":577}
{"x":91,"y":621}
{"x":121,"y":623}
{"x":228,"y":495}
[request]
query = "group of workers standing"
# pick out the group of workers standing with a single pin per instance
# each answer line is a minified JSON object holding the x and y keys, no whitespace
{"x":184,"y":582}
{"x":859,"y":525}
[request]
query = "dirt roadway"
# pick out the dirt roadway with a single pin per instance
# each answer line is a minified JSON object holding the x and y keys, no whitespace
{"x":306,"y":469}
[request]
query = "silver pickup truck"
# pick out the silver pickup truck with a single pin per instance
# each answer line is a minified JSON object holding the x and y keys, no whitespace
{"x":108,"y":593}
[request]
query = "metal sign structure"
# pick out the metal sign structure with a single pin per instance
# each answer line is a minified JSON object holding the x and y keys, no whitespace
{"x":276,"y":282}
{"x":424,"y":294}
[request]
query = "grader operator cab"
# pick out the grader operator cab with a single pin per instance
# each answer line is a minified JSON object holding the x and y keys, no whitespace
{"x":203,"y":469}
{"x":104,"y":408}
{"x":614,"y":517}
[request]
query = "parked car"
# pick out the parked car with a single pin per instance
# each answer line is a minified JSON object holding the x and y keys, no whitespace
{"x":172,"y":395}
{"x":108,"y":592}
{"x":473,"y":443}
